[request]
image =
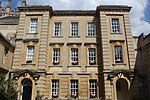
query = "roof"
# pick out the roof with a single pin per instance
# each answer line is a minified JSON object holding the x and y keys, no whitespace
{"x":35,"y":7}
{"x":9,"y":20}
{"x":6,"y":40}
{"x":114,"y":7}
{"x":13,"y":12}
{"x":75,"y":12}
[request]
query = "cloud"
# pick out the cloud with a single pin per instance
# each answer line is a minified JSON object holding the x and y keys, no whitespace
{"x":4,"y":4}
{"x":138,"y":22}
{"x":19,"y":3}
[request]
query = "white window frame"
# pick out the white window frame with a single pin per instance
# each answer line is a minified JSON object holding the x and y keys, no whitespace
{"x":74,"y":56}
{"x":33,"y":26}
{"x":56,"y":56}
{"x":57,"y":29}
{"x":118,"y":54}
{"x":91,"y":29}
{"x":55,"y":88}
{"x":115,"y":25}
{"x":4,"y":55}
{"x":74,"y":29}
{"x":92,"y":56}
{"x":74,"y":88}
{"x":93,"y":88}
{"x":30,"y":54}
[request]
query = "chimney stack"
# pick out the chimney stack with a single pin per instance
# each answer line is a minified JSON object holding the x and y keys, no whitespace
{"x":8,"y":9}
{"x":9,"y":4}
{"x":24,"y":3}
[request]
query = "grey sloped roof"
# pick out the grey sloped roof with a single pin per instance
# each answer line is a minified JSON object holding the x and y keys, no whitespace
{"x":6,"y":40}
{"x":9,"y":20}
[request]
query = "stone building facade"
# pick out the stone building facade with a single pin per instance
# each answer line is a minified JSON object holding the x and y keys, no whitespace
{"x":7,"y":11}
{"x":141,"y":78}
{"x":6,"y":55}
{"x":71,"y":54}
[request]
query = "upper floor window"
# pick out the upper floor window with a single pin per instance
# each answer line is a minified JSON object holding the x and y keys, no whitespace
{"x":91,"y":29}
{"x":57,"y":29}
{"x":74,"y":88}
{"x":74,"y":28}
{"x":4,"y":55}
{"x":74,"y":56}
{"x":33,"y":26}
{"x":55,"y":88}
{"x":56,"y":56}
{"x":93,"y":88}
{"x":118,"y":54}
{"x":115,"y":26}
{"x":92,"y":56}
{"x":30,"y":54}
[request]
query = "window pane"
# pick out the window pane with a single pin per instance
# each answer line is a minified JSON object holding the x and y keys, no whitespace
{"x":56,"y":56}
{"x":93,"y":88}
{"x":74,"y":87}
{"x":92,"y":56}
{"x":4,"y":55}
{"x":74,"y":28}
{"x":115,"y":26}
{"x":74,"y":56}
{"x":30,"y":54}
{"x":91,"y":29}
{"x":118,"y":53}
{"x":55,"y":88}
{"x":57,"y":29}
{"x":33,"y":26}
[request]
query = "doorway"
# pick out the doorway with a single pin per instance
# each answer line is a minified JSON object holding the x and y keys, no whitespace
{"x":26,"y":91}
{"x":122,"y":89}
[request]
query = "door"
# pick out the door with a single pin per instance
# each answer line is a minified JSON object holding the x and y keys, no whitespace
{"x":122,"y":89}
{"x":26,"y":89}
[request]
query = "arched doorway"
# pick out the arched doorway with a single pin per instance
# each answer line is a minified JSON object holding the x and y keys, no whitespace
{"x":26,"y":90}
{"x":122,"y":89}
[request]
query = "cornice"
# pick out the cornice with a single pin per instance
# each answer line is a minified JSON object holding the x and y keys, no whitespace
{"x":116,"y":41}
{"x":114,"y":8}
{"x":90,"y":43}
{"x":74,"y":13}
{"x":54,"y":43}
{"x":35,"y":8}
{"x":31,"y":39}
{"x":72,"y":43}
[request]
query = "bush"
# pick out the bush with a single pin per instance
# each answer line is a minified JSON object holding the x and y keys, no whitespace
{"x":8,"y":90}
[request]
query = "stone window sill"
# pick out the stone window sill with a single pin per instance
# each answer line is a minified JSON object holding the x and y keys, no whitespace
{"x":55,"y":65}
{"x":90,"y":36}
{"x":32,"y":33}
{"x":27,"y":64}
{"x":74,"y":66}
{"x":116,"y":33}
{"x":57,"y":36}
{"x":74,"y":36}
{"x":119,"y":64}
{"x":91,"y":66}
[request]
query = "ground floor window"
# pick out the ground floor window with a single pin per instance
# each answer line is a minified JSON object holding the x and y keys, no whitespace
{"x":55,"y":88}
{"x":93,"y":88}
{"x":74,"y":88}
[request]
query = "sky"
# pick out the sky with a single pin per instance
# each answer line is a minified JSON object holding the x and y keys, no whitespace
{"x":139,"y":14}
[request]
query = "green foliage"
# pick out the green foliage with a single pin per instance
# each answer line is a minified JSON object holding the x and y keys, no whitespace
{"x":38,"y":96}
{"x":8,"y":90}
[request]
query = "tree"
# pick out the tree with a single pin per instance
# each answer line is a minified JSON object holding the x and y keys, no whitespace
{"x":8,"y":89}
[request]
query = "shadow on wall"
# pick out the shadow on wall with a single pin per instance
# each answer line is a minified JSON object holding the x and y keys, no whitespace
{"x":101,"y":84}
{"x":139,"y":85}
